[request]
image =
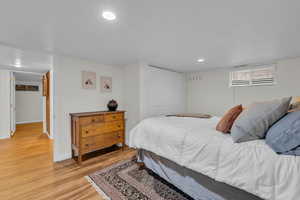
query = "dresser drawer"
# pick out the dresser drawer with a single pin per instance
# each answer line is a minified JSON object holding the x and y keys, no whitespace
{"x":90,"y":120}
{"x":101,"y":128}
{"x":93,"y":129}
{"x":101,"y":141}
{"x":113,"y":117}
{"x":114,"y":126}
{"x":86,"y":147}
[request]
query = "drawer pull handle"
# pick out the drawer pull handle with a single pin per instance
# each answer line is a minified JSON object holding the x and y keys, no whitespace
{"x":86,"y":132}
{"x":93,"y":120}
{"x":86,"y":145}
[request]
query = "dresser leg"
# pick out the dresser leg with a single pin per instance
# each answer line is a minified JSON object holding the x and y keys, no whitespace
{"x":79,"y":159}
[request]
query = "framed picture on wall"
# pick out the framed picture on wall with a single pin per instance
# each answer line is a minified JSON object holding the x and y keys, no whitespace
{"x":106,"y":83}
{"x":88,"y":80}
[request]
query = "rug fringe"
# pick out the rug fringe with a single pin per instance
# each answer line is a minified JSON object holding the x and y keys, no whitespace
{"x":103,"y":195}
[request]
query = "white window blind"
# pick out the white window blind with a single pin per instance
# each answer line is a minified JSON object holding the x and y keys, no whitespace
{"x":253,"y":77}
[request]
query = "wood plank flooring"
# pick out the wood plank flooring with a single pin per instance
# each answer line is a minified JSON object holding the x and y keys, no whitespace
{"x":28,"y":173}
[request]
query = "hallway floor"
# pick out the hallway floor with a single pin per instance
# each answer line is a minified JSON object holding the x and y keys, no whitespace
{"x":28,"y":173}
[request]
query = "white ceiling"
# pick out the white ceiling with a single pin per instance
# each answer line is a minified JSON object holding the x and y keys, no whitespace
{"x":29,"y":60}
{"x":166,"y":33}
{"x":28,"y":77}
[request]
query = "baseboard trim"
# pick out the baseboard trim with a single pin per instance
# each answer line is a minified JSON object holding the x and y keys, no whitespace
{"x":62,"y":157}
{"x":29,"y":122}
{"x":4,"y":137}
{"x":49,"y":136}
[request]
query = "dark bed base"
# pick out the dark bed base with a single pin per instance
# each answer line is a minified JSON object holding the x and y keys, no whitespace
{"x":194,"y":184}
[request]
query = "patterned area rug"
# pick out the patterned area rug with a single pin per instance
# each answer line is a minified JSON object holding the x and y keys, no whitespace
{"x":125,"y":181}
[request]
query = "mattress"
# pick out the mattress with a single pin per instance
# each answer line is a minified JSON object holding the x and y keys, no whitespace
{"x":195,"y":144}
{"x":194,"y":184}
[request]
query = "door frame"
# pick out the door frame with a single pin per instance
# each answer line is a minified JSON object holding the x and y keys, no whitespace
{"x":12,"y":103}
{"x":50,"y":100}
{"x":46,"y":85}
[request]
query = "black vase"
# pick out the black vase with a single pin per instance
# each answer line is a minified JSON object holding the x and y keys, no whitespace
{"x":112,"y":105}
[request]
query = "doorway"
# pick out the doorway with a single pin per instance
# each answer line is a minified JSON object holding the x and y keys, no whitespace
{"x":30,"y":101}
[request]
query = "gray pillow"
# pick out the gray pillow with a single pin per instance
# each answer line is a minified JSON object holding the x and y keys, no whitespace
{"x":253,"y":122}
{"x":284,"y":136}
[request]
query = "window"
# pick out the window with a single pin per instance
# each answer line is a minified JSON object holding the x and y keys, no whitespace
{"x":253,"y":77}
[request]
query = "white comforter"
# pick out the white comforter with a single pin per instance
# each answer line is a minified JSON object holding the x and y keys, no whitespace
{"x":195,"y":144}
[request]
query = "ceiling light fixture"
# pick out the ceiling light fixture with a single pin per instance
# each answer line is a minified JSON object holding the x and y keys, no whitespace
{"x":18,"y":63}
{"x":200,"y":60}
{"x":108,"y":15}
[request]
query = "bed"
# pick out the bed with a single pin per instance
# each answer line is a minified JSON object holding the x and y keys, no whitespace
{"x":197,"y":151}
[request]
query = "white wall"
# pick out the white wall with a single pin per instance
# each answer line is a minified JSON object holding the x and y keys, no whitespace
{"x":70,"y":97}
{"x":162,"y":92}
{"x":132,"y":96}
{"x":29,"y":106}
{"x":141,"y":90}
{"x":151,"y":92}
{"x":4,"y":104}
{"x":211,"y":94}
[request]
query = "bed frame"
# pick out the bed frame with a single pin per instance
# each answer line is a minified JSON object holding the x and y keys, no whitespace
{"x":194,"y":184}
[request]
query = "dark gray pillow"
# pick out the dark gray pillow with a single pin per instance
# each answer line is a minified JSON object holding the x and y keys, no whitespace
{"x":253,"y":122}
{"x":284,"y":136}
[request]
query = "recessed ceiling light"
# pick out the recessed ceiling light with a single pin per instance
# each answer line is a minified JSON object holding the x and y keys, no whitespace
{"x":200,"y":60}
{"x":18,"y":63}
{"x":108,"y":15}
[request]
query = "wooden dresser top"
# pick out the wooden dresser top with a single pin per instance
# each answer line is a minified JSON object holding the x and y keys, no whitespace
{"x":86,"y":114}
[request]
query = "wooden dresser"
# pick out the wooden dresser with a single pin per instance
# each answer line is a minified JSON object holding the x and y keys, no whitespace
{"x":92,"y":131}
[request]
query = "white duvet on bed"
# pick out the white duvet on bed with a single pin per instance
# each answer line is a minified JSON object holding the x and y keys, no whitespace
{"x":194,"y":143}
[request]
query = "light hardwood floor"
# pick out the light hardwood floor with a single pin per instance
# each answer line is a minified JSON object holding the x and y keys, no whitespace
{"x":28,"y":173}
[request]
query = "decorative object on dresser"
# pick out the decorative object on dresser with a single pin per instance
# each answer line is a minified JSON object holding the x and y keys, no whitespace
{"x":92,"y":131}
{"x":112,"y":105}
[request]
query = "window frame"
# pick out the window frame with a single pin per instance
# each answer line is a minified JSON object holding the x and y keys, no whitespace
{"x":271,"y":68}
